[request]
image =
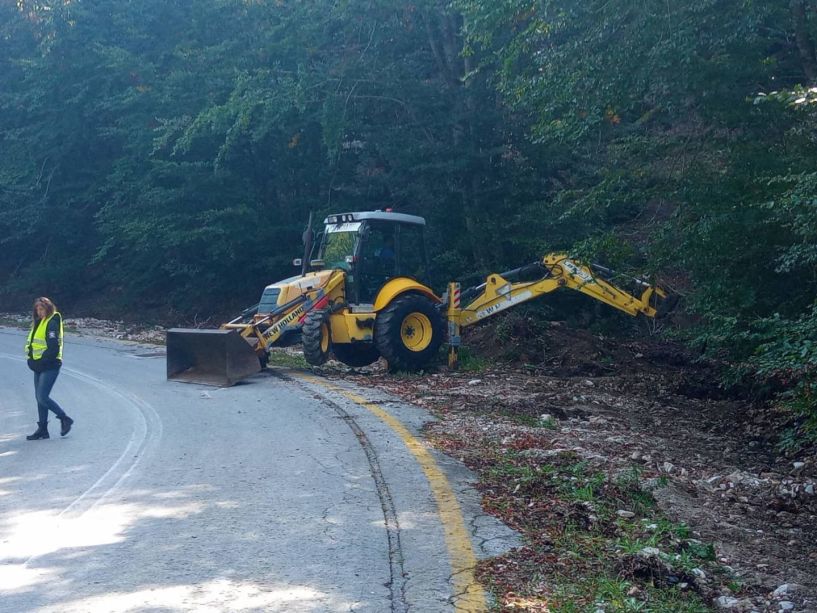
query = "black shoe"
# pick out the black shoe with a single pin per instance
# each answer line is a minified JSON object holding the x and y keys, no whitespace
{"x":66,"y":425}
{"x":41,"y":433}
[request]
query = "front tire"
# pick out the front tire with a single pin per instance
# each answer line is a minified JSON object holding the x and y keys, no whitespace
{"x":409,"y":332}
{"x":316,"y":337}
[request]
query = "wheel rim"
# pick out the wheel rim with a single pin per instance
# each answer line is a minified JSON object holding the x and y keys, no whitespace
{"x":324,"y":338}
{"x":416,"y":332}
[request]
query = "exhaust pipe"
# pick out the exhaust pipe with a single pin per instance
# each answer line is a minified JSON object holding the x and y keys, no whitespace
{"x":209,"y":357}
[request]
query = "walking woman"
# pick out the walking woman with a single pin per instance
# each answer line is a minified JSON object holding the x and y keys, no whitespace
{"x":44,"y":352}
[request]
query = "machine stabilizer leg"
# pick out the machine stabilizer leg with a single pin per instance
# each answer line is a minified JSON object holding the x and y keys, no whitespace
{"x":454,"y":338}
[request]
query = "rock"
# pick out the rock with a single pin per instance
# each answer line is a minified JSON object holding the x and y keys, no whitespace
{"x":475,"y":382}
{"x":543,"y":453}
{"x":798,"y":465}
{"x":625,"y":514}
{"x":786,"y":589}
{"x":635,"y":455}
{"x":667,"y":467}
{"x":589,"y":383}
{"x":726,"y":602}
{"x":649,"y":552}
{"x":699,"y":573}
{"x":809,"y":489}
{"x":785,"y":605}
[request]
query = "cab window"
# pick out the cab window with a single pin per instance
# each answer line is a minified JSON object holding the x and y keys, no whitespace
{"x":378,"y":258}
{"x":337,"y":247}
{"x":411,"y":251}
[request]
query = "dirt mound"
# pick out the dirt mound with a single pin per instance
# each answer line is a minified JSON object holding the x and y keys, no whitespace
{"x":556,"y":349}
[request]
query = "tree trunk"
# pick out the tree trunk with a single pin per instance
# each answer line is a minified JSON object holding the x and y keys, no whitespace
{"x":443,"y":31}
{"x":805,"y":43}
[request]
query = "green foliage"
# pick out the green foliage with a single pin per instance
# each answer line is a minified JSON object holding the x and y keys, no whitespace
{"x":283,"y":359}
{"x":469,"y":361}
{"x":786,"y":355}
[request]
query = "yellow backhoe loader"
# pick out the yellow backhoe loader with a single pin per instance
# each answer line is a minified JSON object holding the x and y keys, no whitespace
{"x":363,"y":297}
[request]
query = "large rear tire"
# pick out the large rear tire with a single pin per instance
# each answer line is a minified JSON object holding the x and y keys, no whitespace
{"x":409,"y":332}
{"x":316,"y":337}
{"x":356,"y":354}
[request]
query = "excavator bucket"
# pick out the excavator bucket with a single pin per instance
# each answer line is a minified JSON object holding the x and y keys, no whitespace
{"x":211,"y":357}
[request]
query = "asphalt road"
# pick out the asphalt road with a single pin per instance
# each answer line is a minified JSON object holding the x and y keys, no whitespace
{"x":280,"y":494}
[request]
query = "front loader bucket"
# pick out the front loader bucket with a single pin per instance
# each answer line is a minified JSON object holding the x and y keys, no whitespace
{"x":211,"y":357}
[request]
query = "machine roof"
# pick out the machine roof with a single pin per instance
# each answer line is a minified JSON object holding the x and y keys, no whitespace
{"x":378,"y":215}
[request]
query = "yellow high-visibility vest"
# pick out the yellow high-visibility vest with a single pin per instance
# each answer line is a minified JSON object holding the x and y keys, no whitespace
{"x":37,"y":342}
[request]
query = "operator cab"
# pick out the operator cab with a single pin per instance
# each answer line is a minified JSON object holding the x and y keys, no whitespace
{"x":373,"y":247}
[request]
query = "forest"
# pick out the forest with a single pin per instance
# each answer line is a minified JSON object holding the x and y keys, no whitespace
{"x":160,"y":158}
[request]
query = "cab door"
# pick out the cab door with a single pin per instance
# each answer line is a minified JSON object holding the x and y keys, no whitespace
{"x":377,"y":259}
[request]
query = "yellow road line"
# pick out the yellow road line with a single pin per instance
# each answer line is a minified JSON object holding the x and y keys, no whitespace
{"x":470,"y":597}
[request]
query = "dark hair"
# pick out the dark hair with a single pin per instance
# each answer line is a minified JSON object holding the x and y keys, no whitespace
{"x":50,"y":307}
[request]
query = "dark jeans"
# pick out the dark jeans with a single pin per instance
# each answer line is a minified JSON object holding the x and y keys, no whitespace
{"x":43,"y":382}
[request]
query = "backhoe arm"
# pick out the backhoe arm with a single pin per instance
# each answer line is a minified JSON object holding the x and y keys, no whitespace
{"x":498,"y":293}
{"x":583,"y":279}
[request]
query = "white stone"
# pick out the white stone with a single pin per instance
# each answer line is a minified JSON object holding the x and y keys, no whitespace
{"x":785,"y":589}
{"x":726,"y":602}
{"x":625,"y":514}
{"x":475,"y":382}
{"x":785,"y":605}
